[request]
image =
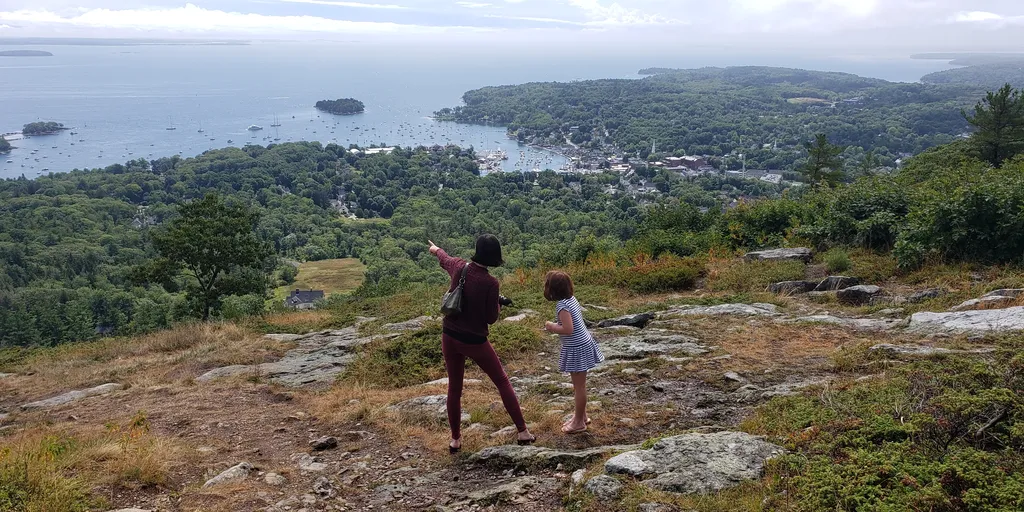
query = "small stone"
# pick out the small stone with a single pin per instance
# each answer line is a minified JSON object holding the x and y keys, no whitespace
{"x":577,"y":477}
{"x":604,"y":487}
{"x":356,"y":435}
{"x":322,"y":486}
{"x":274,"y":479}
{"x":858,"y":295}
{"x":233,"y":474}
{"x":324,"y":443}
{"x":735,"y":377}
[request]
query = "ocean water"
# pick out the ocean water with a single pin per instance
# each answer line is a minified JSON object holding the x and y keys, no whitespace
{"x":120,"y":100}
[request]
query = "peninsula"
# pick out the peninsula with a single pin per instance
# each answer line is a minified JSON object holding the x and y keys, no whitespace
{"x":343,"y":106}
{"x":25,"y":53}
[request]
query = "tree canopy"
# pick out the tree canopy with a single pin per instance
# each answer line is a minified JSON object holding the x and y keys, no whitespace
{"x":341,"y":106}
{"x":999,"y":124}
{"x":4,"y":145}
{"x":42,"y":128}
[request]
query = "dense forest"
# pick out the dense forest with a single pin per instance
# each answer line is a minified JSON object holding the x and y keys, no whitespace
{"x":763,"y":113}
{"x":343,"y":106}
{"x":42,"y":128}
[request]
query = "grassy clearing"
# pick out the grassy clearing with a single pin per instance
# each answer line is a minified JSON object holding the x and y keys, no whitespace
{"x":51,"y":468}
{"x":808,"y":101}
{"x":332,"y":276}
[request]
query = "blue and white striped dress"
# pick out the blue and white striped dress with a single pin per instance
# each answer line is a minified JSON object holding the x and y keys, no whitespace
{"x":580,"y":352}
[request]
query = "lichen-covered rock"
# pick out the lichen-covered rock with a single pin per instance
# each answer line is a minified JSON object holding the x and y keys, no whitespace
{"x":993,"y":302}
{"x":515,"y":492}
{"x":697,"y":463}
{"x":924,"y":350}
{"x":409,"y":325}
{"x":651,"y":343}
{"x":432,"y":407}
{"x":538,"y":456}
{"x":604,"y":487}
{"x":857,"y":324}
{"x":923,"y":295}
{"x":796,"y":254}
{"x":756,"y":309}
{"x":858,"y":295}
{"x":977,"y":322}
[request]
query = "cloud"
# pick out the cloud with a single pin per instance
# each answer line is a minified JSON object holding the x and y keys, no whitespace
{"x":472,"y":5}
{"x":192,"y":18}
{"x":615,"y":14}
{"x":359,"y":5}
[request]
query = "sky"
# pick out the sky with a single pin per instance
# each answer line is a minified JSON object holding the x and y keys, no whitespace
{"x":911,"y":25}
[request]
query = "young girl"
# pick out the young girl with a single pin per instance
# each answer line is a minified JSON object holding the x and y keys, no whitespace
{"x":580,"y":352}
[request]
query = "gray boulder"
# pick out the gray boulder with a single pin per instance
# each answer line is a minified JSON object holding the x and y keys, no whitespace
{"x":791,"y":287}
{"x":324,"y":443}
{"x":1012,"y":293}
{"x":796,"y":254}
{"x":858,"y":295}
{"x":233,"y":474}
{"x":834,"y":283}
{"x":72,"y":396}
{"x":537,"y":456}
{"x":923,"y":295}
{"x":604,"y":487}
{"x":987,"y":302}
{"x":409,"y":325}
{"x":697,"y":463}
{"x":431,"y":407}
{"x":515,"y":492}
{"x":969,"y":322}
{"x":639,"y":321}
{"x":856,"y":324}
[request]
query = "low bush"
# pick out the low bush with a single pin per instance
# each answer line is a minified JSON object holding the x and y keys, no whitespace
{"x":412,"y":358}
{"x":943,"y":434}
{"x":837,"y":261}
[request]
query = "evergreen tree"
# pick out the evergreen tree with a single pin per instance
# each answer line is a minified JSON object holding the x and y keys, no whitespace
{"x":999,"y":124}
{"x":823,"y":163}
{"x":211,"y":239}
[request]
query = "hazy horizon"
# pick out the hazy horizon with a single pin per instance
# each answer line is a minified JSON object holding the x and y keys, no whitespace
{"x":809,"y":26}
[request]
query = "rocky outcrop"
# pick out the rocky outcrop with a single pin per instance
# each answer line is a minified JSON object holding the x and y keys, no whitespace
{"x":791,"y":287}
{"x":639,"y":321}
{"x":505,"y":456}
{"x":857,"y":324}
{"x":697,"y":463}
{"x":516,"y":492}
{"x":233,"y":474}
{"x":796,"y":254}
{"x":409,"y":325}
{"x":651,"y":343}
{"x":924,"y":350}
{"x":858,"y":295}
{"x":756,"y":309}
{"x":993,"y":300}
{"x":434,"y":407}
{"x":318,"y":358}
{"x":72,"y":396}
{"x":834,"y":283}
{"x":923,"y":295}
{"x":976,"y":322}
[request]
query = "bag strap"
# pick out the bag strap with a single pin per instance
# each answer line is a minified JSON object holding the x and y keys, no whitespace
{"x":462,"y":278}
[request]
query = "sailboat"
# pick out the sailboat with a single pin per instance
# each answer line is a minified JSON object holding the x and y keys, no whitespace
{"x":201,"y":130}
{"x":276,"y":122}
{"x":169,"y":122}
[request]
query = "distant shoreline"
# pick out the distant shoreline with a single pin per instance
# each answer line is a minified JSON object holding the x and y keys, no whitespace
{"x":78,"y":41}
{"x":25,"y":53}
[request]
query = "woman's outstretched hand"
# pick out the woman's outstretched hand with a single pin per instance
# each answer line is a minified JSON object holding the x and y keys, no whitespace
{"x":433,"y":247}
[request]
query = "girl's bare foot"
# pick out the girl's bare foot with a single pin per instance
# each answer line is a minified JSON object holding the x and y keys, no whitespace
{"x":572,"y":420}
{"x":574,"y":428}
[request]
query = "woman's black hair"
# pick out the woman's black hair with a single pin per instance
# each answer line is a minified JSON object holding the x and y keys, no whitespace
{"x":488,"y":251}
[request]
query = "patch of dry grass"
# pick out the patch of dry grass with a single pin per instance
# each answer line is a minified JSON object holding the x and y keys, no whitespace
{"x":56,"y":467}
{"x":738,"y":276}
{"x":167,"y":356}
{"x":332,"y":276}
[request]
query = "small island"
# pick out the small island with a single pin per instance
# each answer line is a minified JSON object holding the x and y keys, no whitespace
{"x":25,"y":53}
{"x":343,"y":106}
{"x":42,"y":128}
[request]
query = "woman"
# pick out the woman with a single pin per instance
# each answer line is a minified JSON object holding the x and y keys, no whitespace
{"x":465,"y":334}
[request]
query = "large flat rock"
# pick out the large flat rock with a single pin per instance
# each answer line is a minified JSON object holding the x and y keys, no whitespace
{"x":431,"y":407}
{"x":317,"y":358}
{"x":976,"y":322}
{"x":651,"y":343}
{"x":697,"y":463}
{"x":796,"y":254}
{"x":856,"y":324}
{"x":756,"y":309}
{"x":538,"y":456}
{"x":72,"y":396}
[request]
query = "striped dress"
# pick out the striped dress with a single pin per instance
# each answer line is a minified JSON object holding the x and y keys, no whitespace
{"x":580,"y":352}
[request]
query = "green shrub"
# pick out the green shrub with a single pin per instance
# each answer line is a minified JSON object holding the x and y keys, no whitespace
{"x":668,"y":273}
{"x":763,"y":224}
{"x":241,"y":306}
{"x":412,"y":358}
{"x":837,"y":261}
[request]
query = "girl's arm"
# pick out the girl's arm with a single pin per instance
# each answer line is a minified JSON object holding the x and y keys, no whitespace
{"x":564,"y":325}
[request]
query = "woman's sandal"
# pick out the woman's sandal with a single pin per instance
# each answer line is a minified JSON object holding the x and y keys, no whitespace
{"x":526,"y":442}
{"x":453,"y":450}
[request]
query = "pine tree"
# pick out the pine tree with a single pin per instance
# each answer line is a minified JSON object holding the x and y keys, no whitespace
{"x":999,"y":124}
{"x":823,"y":167}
